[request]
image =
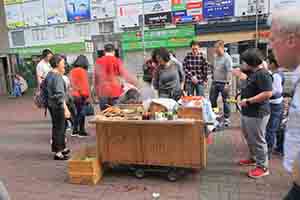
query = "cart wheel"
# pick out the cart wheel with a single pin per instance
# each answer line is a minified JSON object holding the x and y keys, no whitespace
{"x":173,"y":175}
{"x":139,"y":173}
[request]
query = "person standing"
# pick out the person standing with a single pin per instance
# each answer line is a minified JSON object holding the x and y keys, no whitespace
{"x":108,"y":71}
{"x":56,"y":93}
{"x":80,"y":92}
{"x":43,"y":67}
{"x":167,"y":77}
{"x":285,"y":41}
{"x":3,"y":192}
{"x":196,"y":71}
{"x":255,"y":94}
{"x":221,"y":80}
{"x":276,"y":103}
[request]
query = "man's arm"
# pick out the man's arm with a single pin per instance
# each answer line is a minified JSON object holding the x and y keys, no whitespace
{"x":205,"y":67}
{"x":228,"y":67}
{"x":186,"y":69}
{"x":126,"y":75}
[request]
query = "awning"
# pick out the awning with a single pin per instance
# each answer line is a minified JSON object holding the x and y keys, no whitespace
{"x":230,"y":37}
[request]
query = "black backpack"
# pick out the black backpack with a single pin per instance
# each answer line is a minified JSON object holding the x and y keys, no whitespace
{"x":41,"y":96}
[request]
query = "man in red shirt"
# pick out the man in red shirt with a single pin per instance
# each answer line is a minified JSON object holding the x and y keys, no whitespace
{"x":108,"y":73}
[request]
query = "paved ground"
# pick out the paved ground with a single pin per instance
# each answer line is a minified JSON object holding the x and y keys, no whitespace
{"x":27,"y":168}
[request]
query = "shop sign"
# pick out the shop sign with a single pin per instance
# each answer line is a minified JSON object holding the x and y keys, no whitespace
{"x":58,"y":48}
{"x":218,"y":9}
{"x":170,"y":43}
{"x":9,"y":2}
{"x":158,"y":18}
{"x":78,"y":10}
{"x":156,"y":6}
{"x":177,"y":7}
{"x":179,"y":13}
{"x":160,"y":34}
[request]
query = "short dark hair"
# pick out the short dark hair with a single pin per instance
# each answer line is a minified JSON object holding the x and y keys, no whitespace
{"x":164,"y":54}
{"x":46,"y":52}
{"x":253,"y":57}
{"x":154,"y":53}
{"x":109,"y":48}
{"x":55,"y":60}
{"x":81,"y":61}
{"x":194,"y":43}
{"x":272,"y":60}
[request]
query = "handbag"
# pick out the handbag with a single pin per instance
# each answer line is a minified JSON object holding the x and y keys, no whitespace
{"x":88,"y":110}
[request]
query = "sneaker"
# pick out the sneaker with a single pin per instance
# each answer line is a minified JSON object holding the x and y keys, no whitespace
{"x":258,"y":172}
{"x":247,"y":162}
{"x":74,"y":133}
{"x":83,"y":134}
{"x":227,"y":122}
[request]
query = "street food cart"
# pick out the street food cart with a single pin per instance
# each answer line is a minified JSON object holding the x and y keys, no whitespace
{"x":172,"y":146}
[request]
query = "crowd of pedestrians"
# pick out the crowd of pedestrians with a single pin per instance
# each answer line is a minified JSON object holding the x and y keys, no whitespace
{"x":262,"y":88}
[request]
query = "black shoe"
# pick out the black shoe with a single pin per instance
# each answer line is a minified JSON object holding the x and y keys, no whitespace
{"x":66,"y":152}
{"x":62,"y":157}
{"x":83,"y":134}
{"x":74,"y":133}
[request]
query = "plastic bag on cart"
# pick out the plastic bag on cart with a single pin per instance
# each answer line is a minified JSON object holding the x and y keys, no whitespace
{"x":130,"y":95}
{"x":170,"y":104}
{"x":208,"y":115}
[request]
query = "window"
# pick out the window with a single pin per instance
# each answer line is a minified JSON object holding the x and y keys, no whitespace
{"x":106,"y":27}
{"x":60,"y":32}
{"x":84,"y":30}
{"x":38,"y":34}
{"x":18,"y":38}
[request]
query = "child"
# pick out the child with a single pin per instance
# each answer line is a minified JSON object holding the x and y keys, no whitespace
{"x":17,"y":87}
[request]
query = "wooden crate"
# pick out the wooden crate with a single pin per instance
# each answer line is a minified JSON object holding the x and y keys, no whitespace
{"x":190,"y":113}
{"x":158,"y":143}
{"x":87,"y":172}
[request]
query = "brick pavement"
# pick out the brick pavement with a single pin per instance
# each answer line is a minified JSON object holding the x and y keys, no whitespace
{"x":29,"y":172}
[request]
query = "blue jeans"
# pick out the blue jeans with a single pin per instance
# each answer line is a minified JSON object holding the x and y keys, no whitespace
{"x":79,"y":121}
{"x":215,"y":90}
{"x":105,"y":102}
{"x":191,"y":88}
{"x":273,"y":124}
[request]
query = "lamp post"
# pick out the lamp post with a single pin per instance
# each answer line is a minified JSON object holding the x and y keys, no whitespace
{"x":256,"y":24}
{"x":143,"y":30}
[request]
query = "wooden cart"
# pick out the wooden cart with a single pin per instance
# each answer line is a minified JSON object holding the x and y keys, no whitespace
{"x":172,"y":144}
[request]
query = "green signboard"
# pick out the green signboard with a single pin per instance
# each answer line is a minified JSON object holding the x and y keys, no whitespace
{"x":170,"y":43}
{"x":57,"y":48}
{"x":9,"y":2}
{"x":159,"y":34}
{"x":178,"y":7}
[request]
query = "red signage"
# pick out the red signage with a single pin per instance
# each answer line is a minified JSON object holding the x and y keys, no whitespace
{"x":193,"y":5}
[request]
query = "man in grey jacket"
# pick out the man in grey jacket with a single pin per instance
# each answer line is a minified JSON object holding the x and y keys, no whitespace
{"x":286,"y":45}
{"x":3,"y":192}
{"x":221,"y":79}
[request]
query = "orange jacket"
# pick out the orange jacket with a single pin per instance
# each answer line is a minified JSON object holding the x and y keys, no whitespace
{"x":79,"y":82}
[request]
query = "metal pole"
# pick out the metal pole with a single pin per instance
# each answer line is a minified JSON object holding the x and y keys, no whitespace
{"x":143,"y":30}
{"x":256,"y":25}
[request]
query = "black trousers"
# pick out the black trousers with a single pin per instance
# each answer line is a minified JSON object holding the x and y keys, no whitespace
{"x":58,"y":129}
{"x":294,"y":193}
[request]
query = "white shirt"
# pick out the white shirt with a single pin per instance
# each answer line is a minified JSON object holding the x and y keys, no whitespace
{"x":43,"y":68}
{"x":277,"y":88}
{"x":292,"y":134}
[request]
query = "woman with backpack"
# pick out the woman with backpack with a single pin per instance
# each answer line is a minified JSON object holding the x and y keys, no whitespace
{"x":80,"y":93}
{"x":56,"y":103}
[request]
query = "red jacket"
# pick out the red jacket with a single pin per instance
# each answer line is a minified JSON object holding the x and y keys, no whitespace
{"x":108,"y":70}
{"x":79,"y":82}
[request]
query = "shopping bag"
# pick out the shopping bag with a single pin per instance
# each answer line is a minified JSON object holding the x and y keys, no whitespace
{"x":88,"y":110}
